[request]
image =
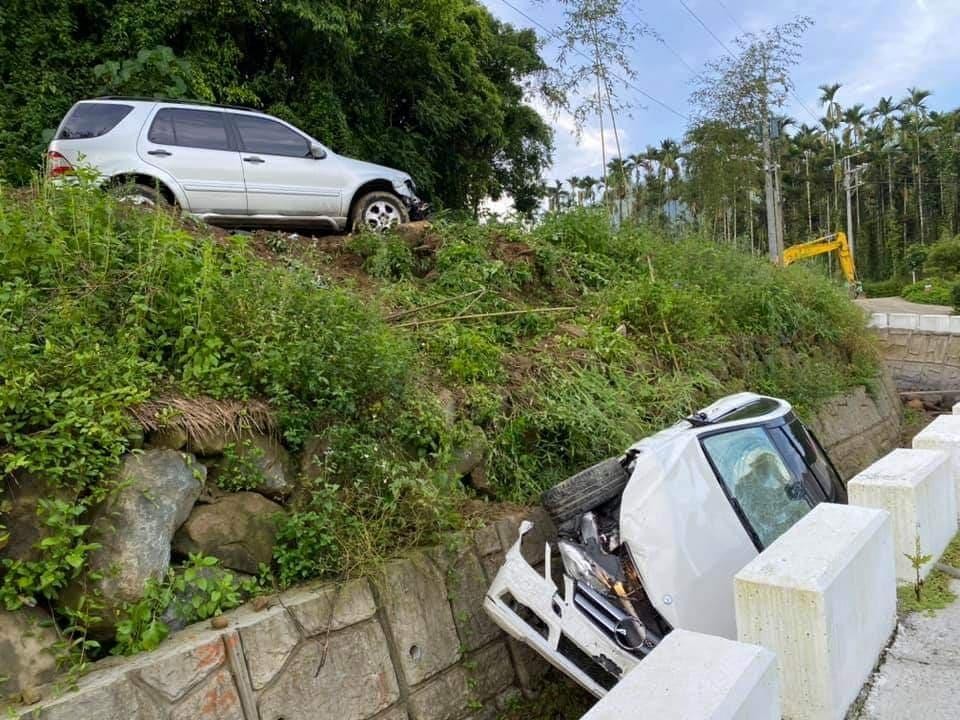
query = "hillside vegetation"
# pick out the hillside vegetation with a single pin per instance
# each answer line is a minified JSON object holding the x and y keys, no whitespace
{"x":353,"y":346}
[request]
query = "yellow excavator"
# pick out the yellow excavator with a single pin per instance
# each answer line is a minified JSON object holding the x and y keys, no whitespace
{"x":829,"y":243}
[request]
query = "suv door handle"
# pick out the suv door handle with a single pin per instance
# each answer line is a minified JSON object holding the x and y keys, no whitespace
{"x":253,"y":159}
{"x":161,"y":153}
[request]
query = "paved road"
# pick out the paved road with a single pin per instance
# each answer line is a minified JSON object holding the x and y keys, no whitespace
{"x":899,"y":305}
{"x":921,"y":674}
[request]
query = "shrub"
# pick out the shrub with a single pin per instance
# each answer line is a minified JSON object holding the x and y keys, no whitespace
{"x":883,"y":288}
{"x":932,"y":291}
{"x":943,"y":259}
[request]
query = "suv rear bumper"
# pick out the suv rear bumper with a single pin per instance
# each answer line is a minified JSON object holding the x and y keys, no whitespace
{"x":528,"y":606}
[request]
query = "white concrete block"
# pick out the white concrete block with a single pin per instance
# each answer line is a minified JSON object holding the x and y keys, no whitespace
{"x":690,"y":676}
{"x":934,"y":323}
{"x":917,"y":489}
{"x":877,"y":320}
{"x":903,"y":321}
{"x":943,"y":434}
{"x":955,"y":324}
{"x":956,"y":408}
{"x":823,"y":598}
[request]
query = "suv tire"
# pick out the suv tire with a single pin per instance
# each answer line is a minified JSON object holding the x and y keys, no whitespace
{"x":137,"y":194}
{"x":585,"y":490}
{"x":378,"y":211}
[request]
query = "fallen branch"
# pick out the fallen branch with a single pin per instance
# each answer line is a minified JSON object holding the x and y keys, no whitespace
{"x":411,"y":311}
{"x":504,"y":313}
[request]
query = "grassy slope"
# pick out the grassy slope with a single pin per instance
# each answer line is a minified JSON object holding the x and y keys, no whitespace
{"x":102,"y":307}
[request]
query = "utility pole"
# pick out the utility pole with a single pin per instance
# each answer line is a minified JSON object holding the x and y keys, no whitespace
{"x":773,"y":226}
{"x":851,"y":182}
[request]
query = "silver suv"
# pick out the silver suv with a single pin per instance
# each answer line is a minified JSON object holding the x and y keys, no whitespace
{"x":228,"y":166}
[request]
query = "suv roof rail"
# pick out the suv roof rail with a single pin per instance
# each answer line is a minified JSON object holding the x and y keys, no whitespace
{"x":176,"y":101}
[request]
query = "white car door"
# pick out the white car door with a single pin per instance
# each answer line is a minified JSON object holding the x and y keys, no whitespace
{"x":281,"y":175}
{"x":195,"y":147}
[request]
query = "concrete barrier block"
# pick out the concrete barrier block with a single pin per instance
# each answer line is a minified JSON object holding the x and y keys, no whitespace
{"x":877,"y":320}
{"x":823,"y":598}
{"x":903,"y":321}
{"x":943,"y":434}
{"x":917,"y":489}
{"x":956,"y":408}
{"x":955,"y":324}
{"x":934,"y":323}
{"x":690,"y":676}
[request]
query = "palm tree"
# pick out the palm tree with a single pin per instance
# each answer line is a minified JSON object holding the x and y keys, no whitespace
{"x":883,"y":112}
{"x":574,"y":182}
{"x":830,"y":122}
{"x":587,"y":184}
{"x":856,"y":119}
{"x":916,"y":101}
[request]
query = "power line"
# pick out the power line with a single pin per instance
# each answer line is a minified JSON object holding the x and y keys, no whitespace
{"x":733,"y":55}
{"x":705,"y":27}
{"x":556,"y":36}
{"x":730,"y":15}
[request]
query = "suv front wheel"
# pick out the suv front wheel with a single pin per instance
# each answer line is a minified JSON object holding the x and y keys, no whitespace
{"x":378,"y":211}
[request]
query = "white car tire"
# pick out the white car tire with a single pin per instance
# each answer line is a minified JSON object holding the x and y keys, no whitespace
{"x":378,"y":212}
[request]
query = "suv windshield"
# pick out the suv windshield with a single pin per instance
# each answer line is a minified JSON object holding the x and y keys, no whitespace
{"x":769,"y":496}
{"x":90,"y":120}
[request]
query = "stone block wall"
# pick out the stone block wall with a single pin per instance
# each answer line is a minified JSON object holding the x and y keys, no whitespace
{"x":922,"y":352}
{"x":410,"y":643}
{"x":860,"y":426}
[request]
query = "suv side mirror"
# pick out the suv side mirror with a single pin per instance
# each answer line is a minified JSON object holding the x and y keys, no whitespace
{"x":317,"y":152}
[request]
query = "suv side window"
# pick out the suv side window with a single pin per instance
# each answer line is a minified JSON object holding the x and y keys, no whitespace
{"x":90,"y":120}
{"x":262,"y":135}
{"x":204,"y":129}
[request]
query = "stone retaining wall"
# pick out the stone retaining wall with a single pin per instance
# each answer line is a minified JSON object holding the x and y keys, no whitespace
{"x":921,"y":351}
{"x":411,"y":643}
{"x":860,"y":426}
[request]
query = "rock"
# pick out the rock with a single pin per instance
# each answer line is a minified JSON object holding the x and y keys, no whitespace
{"x":156,"y":490}
{"x":172,"y":437}
{"x":173,"y":615}
{"x":30,"y":696}
{"x":448,"y":406}
{"x":265,"y":455}
{"x":26,"y":657}
{"x":18,"y":512}
{"x":220,"y":622}
{"x":915,"y":404}
{"x":213,"y":440}
{"x":469,"y":461}
{"x":311,"y":458}
{"x":238,"y":528}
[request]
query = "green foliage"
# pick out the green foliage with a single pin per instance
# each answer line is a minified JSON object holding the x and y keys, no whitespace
{"x":101,"y":304}
{"x":197,"y":591}
{"x":63,"y":553}
{"x":883,"y":288}
{"x":943,"y":259}
{"x":238,"y":469}
{"x":433,"y":87}
{"x":917,"y":560}
{"x":930,"y":292}
{"x":386,"y":256}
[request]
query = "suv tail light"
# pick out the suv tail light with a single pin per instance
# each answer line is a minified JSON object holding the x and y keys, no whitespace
{"x":57,"y":164}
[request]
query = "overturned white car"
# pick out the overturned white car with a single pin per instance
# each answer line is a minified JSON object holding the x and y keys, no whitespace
{"x":651,"y":540}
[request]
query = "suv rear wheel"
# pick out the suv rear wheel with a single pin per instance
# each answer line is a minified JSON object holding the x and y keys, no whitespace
{"x":136,"y":194}
{"x":378,"y":211}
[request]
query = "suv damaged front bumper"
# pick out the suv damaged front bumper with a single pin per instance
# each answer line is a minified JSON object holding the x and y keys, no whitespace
{"x":572,"y":631}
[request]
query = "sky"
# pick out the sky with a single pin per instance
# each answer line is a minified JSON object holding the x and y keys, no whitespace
{"x":873,"y":47}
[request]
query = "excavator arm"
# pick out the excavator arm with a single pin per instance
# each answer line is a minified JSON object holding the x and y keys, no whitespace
{"x":822,"y":245}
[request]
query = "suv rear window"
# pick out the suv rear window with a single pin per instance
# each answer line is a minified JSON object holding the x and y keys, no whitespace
{"x":189,"y":128}
{"x":90,"y":120}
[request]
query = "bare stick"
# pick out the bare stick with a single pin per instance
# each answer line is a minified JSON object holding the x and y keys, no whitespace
{"x":484,"y":315}
{"x":411,"y":311}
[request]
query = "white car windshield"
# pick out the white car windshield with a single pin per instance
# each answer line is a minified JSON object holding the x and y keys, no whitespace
{"x":756,"y":477}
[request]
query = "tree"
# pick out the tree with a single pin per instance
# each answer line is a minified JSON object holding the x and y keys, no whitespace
{"x":744,"y":89}
{"x":435,"y":87}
